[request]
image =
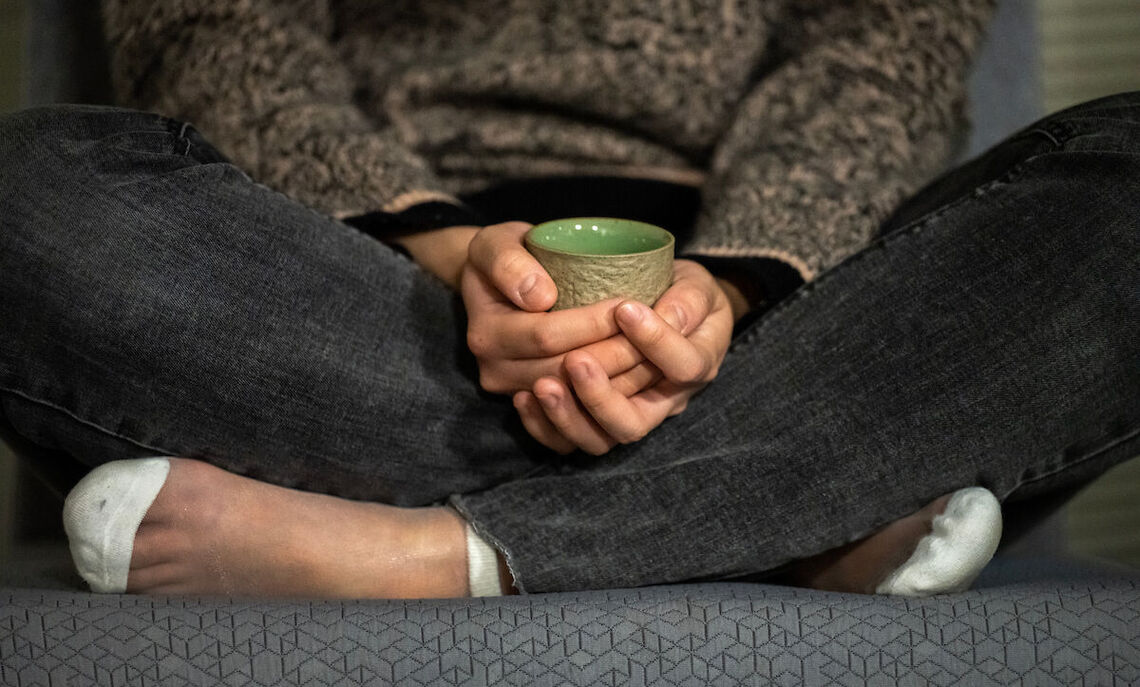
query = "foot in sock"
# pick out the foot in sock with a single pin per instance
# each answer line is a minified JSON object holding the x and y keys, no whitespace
{"x":209,"y":531}
{"x":938,"y":549}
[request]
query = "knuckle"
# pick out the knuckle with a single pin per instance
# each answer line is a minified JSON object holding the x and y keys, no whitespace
{"x":634,"y":434}
{"x":480,"y":249}
{"x":701,"y":302}
{"x":710,"y":297}
{"x":711,"y":373}
{"x":545,"y":341}
{"x":478,"y":342}
{"x":492,"y":380}
{"x":690,"y":293}
{"x":487,"y":381}
{"x":509,"y":262}
{"x":624,"y":386}
{"x":678,"y":315}
{"x":697,"y":302}
{"x":692,"y":370}
{"x":655,"y":335}
{"x":499,"y":386}
{"x":599,"y":449}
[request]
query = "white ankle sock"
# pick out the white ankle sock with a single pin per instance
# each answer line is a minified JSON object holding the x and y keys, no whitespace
{"x":963,"y":539}
{"x":482,"y":567}
{"x":102,"y":514}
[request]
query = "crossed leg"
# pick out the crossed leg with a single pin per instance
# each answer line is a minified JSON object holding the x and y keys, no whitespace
{"x":836,"y":415}
{"x":199,"y":529}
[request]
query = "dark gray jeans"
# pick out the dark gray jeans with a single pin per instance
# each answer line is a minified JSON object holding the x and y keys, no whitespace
{"x":156,"y":301}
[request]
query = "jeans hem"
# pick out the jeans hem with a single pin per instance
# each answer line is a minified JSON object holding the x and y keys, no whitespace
{"x":1111,"y":445}
{"x":456,"y":502}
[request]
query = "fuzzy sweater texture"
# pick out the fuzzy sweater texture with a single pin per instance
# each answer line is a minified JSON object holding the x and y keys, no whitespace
{"x":803,"y":122}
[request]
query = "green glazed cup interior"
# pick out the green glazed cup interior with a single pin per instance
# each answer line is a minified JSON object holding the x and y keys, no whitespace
{"x":592,"y":259}
{"x":599,"y":236}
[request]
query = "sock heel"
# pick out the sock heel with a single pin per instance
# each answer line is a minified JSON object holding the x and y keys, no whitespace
{"x":102,"y":514}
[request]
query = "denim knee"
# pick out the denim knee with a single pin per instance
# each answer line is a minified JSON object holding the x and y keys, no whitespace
{"x":65,"y":129}
{"x":57,"y":148}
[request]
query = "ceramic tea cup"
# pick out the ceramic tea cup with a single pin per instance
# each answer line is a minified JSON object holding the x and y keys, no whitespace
{"x":591,"y":259}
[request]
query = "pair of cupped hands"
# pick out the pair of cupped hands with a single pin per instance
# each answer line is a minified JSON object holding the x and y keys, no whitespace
{"x":592,"y":377}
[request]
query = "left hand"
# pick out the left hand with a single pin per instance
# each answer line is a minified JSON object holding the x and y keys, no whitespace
{"x":592,"y":413}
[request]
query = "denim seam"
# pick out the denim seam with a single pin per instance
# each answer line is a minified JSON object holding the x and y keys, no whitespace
{"x":87,"y":423}
{"x":178,"y":129}
{"x":1048,"y":134}
{"x":1061,"y":468}
{"x":1063,"y":132}
{"x":181,"y":136}
{"x":874,"y":247}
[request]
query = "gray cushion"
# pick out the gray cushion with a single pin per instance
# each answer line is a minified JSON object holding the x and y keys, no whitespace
{"x":1058,"y":624}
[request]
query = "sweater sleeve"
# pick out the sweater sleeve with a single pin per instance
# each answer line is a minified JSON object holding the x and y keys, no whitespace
{"x":860,"y":107}
{"x":261,"y":81}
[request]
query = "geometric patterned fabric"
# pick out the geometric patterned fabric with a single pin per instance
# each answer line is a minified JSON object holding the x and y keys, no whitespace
{"x":1083,"y":631}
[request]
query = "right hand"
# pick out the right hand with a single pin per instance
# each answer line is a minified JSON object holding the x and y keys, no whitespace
{"x":515,"y":341}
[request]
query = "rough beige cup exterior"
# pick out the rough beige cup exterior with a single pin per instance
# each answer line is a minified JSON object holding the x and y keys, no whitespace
{"x":587,"y":279}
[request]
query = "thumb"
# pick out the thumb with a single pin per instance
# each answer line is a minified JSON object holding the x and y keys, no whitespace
{"x":499,"y":254}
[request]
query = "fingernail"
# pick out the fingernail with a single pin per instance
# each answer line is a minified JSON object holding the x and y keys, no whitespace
{"x":528,"y":285}
{"x":630,"y":313}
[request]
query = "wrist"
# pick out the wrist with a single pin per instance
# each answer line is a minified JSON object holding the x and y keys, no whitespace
{"x":443,"y":251}
{"x":736,"y":298}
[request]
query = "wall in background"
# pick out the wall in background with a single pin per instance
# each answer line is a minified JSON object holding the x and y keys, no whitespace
{"x":11,"y":52}
{"x":11,"y":88}
{"x":1089,"y":48}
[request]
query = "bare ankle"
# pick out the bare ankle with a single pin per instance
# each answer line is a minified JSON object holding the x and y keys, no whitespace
{"x":237,"y":536}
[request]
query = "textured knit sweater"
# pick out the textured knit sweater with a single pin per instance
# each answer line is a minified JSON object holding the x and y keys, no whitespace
{"x":803,"y":122}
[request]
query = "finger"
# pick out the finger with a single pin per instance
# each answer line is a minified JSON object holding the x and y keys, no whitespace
{"x":622,"y":361}
{"x":614,"y":413}
{"x":538,"y":426}
{"x":676,"y":356}
{"x":662,"y":400}
{"x":512,"y":334}
{"x":479,"y":292}
{"x":690,"y":299}
{"x":498,"y":253}
{"x":636,"y":379}
{"x":616,"y":354}
{"x":569,"y":418}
